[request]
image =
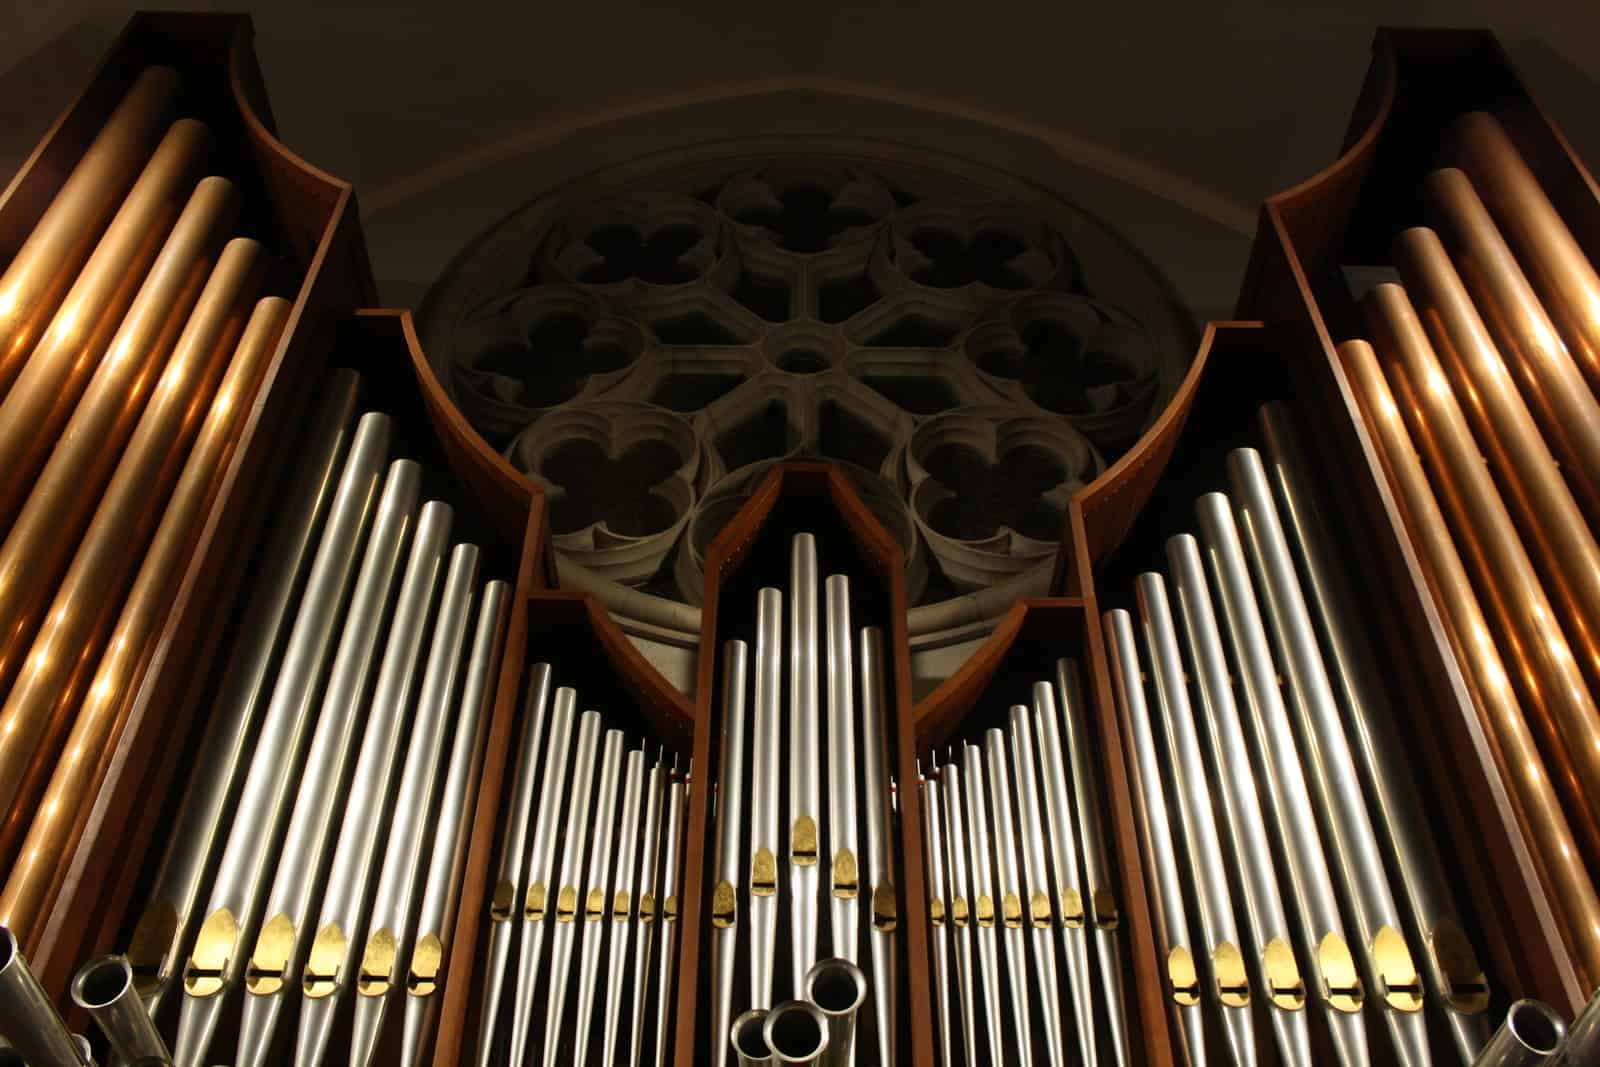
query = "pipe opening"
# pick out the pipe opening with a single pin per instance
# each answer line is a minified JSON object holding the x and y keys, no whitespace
{"x":1535,"y":1027}
{"x":836,"y":991}
{"x":102,"y":983}
{"x":748,"y":1040}
{"x":796,"y":1035}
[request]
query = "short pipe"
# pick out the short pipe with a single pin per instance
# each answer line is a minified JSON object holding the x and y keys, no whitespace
{"x":32,"y":1025}
{"x":748,"y":1040}
{"x":796,"y":1032}
{"x":105,"y":989}
{"x":1531,"y":1034}
{"x":838,"y":988}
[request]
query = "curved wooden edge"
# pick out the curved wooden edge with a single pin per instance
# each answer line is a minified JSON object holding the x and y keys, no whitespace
{"x":727,"y":552}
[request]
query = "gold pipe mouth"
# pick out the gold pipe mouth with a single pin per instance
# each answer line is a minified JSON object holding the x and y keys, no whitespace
{"x":1107,"y":916}
{"x":1341,"y":985}
{"x":620,"y":906}
{"x":533,"y":908}
{"x":567,"y":904}
{"x":269,"y":965}
{"x":151,"y":942}
{"x":846,"y":880}
{"x":1011,"y":910}
{"x":427,"y":959}
{"x":647,"y":908}
{"x":1391,"y":957}
{"x":669,"y":910}
{"x":1466,"y":989}
{"x":321,"y":978}
{"x":1183,"y":976}
{"x":501,"y":903}
{"x":803,"y":842}
{"x":764,"y":873}
{"x":936,"y":911}
{"x":724,"y":905}
{"x":595,"y":908}
{"x":1039,"y":910}
{"x":213,"y":948}
{"x":958,"y":911}
{"x":376,"y":974}
{"x":885,"y":910}
{"x":1285,"y":987}
{"x":1233,"y":983}
{"x":985,"y":911}
{"x":1072,"y":913}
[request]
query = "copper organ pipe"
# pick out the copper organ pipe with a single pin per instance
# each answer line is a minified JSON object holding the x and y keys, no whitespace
{"x":35,"y":878}
{"x":1563,"y":275}
{"x":1567,"y":411}
{"x":39,"y":543}
{"x":39,"y":707}
{"x":1543,"y":817}
{"x":48,"y":261}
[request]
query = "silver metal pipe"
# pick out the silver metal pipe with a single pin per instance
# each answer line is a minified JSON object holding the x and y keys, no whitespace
{"x":504,"y":911}
{"x":1207,"y":865}
{"x":1582,"y":1044}
{"x":377,"y":976}
{"x":217,"y":960}
{"x":1064,"y":868}
{"x":1039,"y":915}
{"x":672,"y":870}
{"x":1161,"y":852}
{"x":85,"y":1050}
{"x":796,"y":1032}
{"x":1278,"y":970}
{"x":31,"y":1023}
{"x":749,"y":1043}
{"x":873,"y":671}
{"x":1010,"y":908}
{"x":540,"y":901}
{"x":596,"y":904}
{"x":105,"y":989}
{"x":730,"y":859}
{"x":1449,"y":960}
{"x":983,"y":907}
{"x":1104,"y":911}
{"x":805,"y":768}
{"x":167,"y":925}
{"x":843,"y":825}
{"x":766,"y":770}
{"x":1358,"y":861}
{"x":838,"y":988}
{"x":1532,"y":1034}
{"x":625,"y":900}
{"x":938,"y":911}
{"x":1336,"y":980}
{"x":280,"y":951}
{"x":447,"y":852}
{"x":649,"y":906}
{"x":569,"y":903}
{"x":955,"y":841}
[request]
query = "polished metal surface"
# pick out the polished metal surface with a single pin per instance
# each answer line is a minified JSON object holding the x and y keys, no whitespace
{"x":1334,"y":979}
{"x":729,"y":864}
{"x":624,"y":903}
{"x":167,"y":924}
{"x":1271,"y":935}
{"x":872,"y":669}
{"x":671,"y":878}
{"x":1448,"y":959}
{"x":797,"y":1033}
{"x":1531,"y":1035}
{"x":983,"y":897}
{"x":217,"y":958}
{"x":1009,"y":906}
{"x":838,"y":988}
{"x":844,"y":844}
{"x":105,"y":989}
{"x":595,"y":905}
{"x":1544,"y":818}
{"x":955,"y":840}
{"x":29,"y":1017}
{"x":1039,"y":913}
{"x":505,"y":900}
{"x":1183,"y":980}
{"x":938,"y":913}
{"x":806,"y":831}
{"x":446,"y":854}
{"x":1582,"y":1043}
{"x":748,"y":1042}
{"x":766,"y":771}
{"x":649,"y":905}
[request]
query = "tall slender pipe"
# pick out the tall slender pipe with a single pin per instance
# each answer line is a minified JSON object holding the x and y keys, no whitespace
{"x":625,"y":901}
{"x":309,"y":842}
{"x":377,"y":976}
{"x":32,"y":1025}
{"x":938,"y":913}
{"x":797,"y":1033}
{"x":166,"y":927}
{"x":955,"y":840}
{"x":844,"y":867}
{"x":1288,"y":798}
{"x":101,"y":713}
{"x":671,"y":878}
{"x":1039,"y":913}
{"x":729,"y":861}
{"x":1011,"y":915}
{"x":1161,"y":854}
{"x":508,"y":888}
{"x":1543,"y":816}
{"x":1063,"y":852}
{"x":838,"y":988}
{"x":1265,"y":912}
{"x":58,"y":244}
{"x":104,"y":988}
{"x":596,"y":904}
{"x":1532,"y":1034}
{"x":1104,"y":912}
{"x":1449,"y":960}
{"x":983,"y":907}
{"x":568,"y":903}
{"x":805,"y":769}
{"x":765,"y":772}
{"x":873,"y":672}
{"x":216,"y":961}
{"x":649,"y":906}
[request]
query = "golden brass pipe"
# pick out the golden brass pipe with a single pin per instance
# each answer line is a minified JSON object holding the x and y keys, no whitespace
{"x":53,"y":375}
{"x":39,"y":543}
{"x":1552,"y":525}
{"x":46,"y":264}
{"x":1503,"y":571}
{"x":1561,"y":272}
{"x":36,"y":878}
{"x":1567,"y":411}
{"x":1544,"y":820}
{"x":35,"y":711}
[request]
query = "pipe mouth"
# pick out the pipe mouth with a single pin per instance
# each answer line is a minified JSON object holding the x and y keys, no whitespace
{"x":102,"y":983}
{"x":747,"y":1036}
{"x":837,"y":987}
{"x":1535,"y":1026}
{"x":796,"y":1032}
